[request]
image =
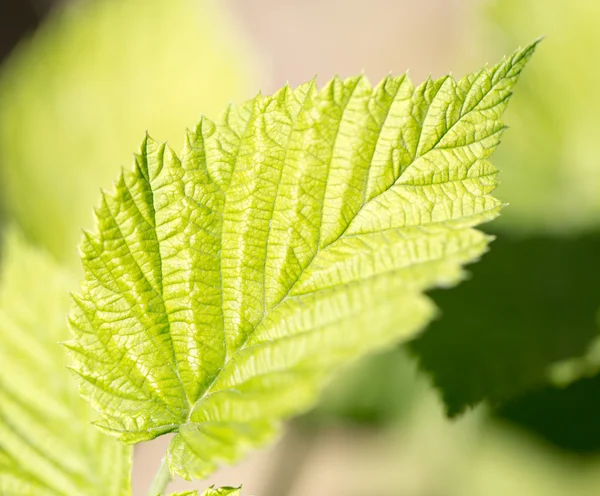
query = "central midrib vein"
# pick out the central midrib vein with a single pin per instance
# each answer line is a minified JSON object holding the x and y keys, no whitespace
{"x":319,"y":249}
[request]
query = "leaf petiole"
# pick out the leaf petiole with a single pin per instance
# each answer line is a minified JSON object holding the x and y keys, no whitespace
{"x":161,"y":480}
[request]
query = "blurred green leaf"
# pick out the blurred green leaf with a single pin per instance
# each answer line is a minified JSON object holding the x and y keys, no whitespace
{"x":510,"y":462}
{"x":221,"y":491}
{"x":378,"y":390}
{"x":48,"y":446}
{"x":565,"y":416}
{"x":530,"y":297}
{"x":526,"y":306}
{"x":550,"y":163}
{"x":76,"y":98}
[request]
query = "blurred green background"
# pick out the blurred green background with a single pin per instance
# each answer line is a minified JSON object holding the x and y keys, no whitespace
{"x":499,"y":396}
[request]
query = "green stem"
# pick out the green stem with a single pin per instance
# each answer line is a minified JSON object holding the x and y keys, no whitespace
{"x":161,"y":480}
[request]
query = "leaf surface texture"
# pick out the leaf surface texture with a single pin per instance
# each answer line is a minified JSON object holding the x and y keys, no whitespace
{"x":223,"y":285}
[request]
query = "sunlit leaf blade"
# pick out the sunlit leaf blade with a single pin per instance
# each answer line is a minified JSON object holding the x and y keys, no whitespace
{"x":297,"y":233}
{"x":47,"y":443}
{"x":94,"y":76}
{"x":221,"y":491}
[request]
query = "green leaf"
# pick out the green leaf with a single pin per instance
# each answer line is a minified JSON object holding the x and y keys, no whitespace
{"x":549,"y":164}
{"x":297,"y":233}
{"x":543,"y":411}
{"x":222,"y":491}
{"x":47,"y":444}
{"x":95,"y":75}
{"x":388,"y":391}
{"x":521,"y":312}
{"x":585,"y":365}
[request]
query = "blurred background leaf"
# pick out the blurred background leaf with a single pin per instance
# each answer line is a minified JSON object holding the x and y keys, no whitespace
{"x":76,"y":98}
{"x":534,"y":289}
{"x":567,"y":417}
{"x":531,"y":305}
{"x":377,"y":390}
{"x":48,"y":445}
